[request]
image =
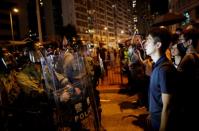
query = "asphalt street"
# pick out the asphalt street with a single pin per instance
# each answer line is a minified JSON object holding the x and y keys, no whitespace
{"x":120,"y":112}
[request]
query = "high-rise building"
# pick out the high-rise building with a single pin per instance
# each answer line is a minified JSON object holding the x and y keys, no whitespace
{"x":96,"y":21}
{"x":105,"y":21}
{"x":144,"y":16}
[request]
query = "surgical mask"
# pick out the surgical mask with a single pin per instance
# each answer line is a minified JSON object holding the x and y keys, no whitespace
{"x":181,"y":48}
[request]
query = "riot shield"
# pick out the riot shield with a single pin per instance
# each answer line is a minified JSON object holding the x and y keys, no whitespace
{"x":70,"y":85}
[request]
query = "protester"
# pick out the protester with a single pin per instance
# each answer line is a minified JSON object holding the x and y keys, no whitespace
{"x":189,"y":71}
{"x":162,"y":89}
{"x":101,"y":53}
{"x":176,"y":52}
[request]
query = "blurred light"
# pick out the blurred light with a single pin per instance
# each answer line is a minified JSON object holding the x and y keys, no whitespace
{"x":15,"y":10}
{"x":134,"y":5}
{"x":41,"y":3}
{"x":91,"y":31}
{"x":187,"y":15}
{"x":113,"y":6}
{"x":162,"y":27}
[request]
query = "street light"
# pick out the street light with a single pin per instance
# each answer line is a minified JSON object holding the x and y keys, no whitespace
{"x":121,"y":34}
{"x":15,"y":10}
{"x":106,"y":29}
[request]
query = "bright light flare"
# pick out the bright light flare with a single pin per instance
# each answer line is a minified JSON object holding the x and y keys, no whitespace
{"x":15,"y":10}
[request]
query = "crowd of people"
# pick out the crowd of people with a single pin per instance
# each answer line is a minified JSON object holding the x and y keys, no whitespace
{"x":53,"y":86}
{"x":163,"y":70}
{"x":172,"y":89}
{"x":174,"y":77}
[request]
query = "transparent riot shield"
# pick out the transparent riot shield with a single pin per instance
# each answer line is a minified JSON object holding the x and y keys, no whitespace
{"x":68,"y":83}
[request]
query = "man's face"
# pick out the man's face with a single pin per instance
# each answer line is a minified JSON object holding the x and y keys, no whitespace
{"x":182,"y":40}
{"x":149,"y":45}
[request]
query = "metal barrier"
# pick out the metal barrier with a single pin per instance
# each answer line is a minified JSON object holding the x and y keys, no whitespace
{"x":114,"y":76}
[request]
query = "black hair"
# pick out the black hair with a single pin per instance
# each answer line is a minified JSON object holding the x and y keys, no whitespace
{"x":69,"y":31}
{"x":73,"y":39}
{"x":161,"y":35}
{"x":180,"y":47}
{"x":179,"y":29}
{"x":192,"y":34}
{"x":174,"y":38}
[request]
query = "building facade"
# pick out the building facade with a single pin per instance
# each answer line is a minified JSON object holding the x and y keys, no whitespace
{"x":144,"y":15}
{"x":190,"y":8}
{"x":107,"y":21}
